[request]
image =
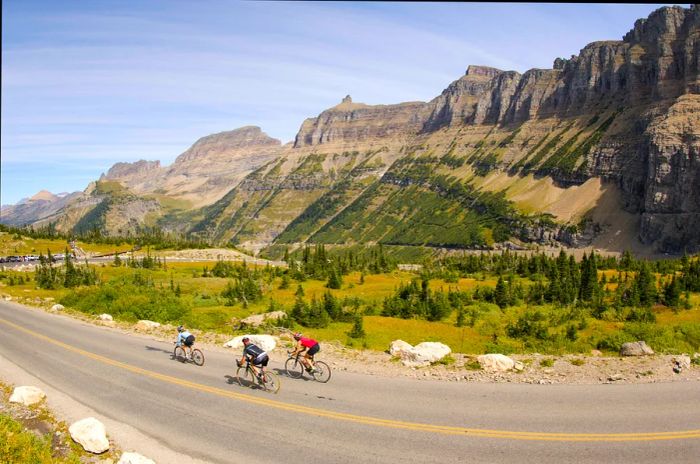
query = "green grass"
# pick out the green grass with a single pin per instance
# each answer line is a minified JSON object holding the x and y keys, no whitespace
{"x":19,"y":446}
{"x":201,"y":306}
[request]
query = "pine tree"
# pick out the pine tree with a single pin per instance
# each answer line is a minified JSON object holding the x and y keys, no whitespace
{"x":72,"y":277}
{"x":672,"y":293}
{"x":335,"y":281}
{"x":645,"y":286}
{"x":500,"y":296}
{"x":358,"y":330}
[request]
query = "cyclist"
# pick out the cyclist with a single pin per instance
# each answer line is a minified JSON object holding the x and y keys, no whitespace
{"x":255,"y":356}
{"x":185,"y":339}
{"x":311,"y":347}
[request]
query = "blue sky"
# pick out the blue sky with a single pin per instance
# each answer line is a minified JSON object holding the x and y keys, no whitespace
{"x":88,"y":84}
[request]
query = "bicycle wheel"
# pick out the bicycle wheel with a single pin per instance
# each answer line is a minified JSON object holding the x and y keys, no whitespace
{"x":179,"y":354}
{"x":271,"y":383}
{"x":322,"y":373}
{"x":245,"y":377}
{"x":197,"y":357}
{"x":294,"y":368}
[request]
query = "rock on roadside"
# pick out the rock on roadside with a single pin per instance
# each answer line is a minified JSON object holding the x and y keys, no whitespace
{"x":105,"y":317}
{"x":682,"y":361}
{"x":423,"y":354}
{"x":90,"y":434}
{"x":266,"y":342}
{"x":134,"y":458}
{"x":639,"y":348}
{"x":57,"y":308}
{"x":27,"y":395}
{"x":144,"y":324}
{"x":496,"y":362}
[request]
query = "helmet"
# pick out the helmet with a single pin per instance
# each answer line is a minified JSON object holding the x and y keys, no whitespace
{"x":245,"y":339}
{"x":180,"y":328}
{"x":297,"y":336}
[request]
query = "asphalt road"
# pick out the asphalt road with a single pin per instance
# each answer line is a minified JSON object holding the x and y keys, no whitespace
{"x":202,"y":412}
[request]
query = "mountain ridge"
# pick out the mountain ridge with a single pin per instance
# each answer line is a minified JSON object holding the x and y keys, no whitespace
{"x":620,"y":119}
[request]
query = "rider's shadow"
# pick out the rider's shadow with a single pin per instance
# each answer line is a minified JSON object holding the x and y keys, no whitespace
{"x":154,"y":348}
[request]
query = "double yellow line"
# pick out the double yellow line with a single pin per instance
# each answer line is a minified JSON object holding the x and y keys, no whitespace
{"x":368,"y":420}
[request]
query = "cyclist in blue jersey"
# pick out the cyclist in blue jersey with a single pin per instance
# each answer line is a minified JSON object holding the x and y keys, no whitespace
{"x":185,"y":339}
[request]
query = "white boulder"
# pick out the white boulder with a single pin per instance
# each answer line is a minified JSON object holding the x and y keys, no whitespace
{"x":134,"y":458}
{"x":105,"y":317}
{"x":639,"y":348}
{"x":496,"y":362}
{"x":423,"y":354}
{"x":266,"y":342}
{"x":57,"y":307}
{"x":27,"y":395}
{"x":144,"y":324}
{"x":397,"y":346}
{"x":90,"y":434}
{"x":682,"y":361}
{"x":257,"y":320}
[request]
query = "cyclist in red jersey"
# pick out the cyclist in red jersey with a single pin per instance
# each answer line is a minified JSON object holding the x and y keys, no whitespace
{"x":311,"y":347}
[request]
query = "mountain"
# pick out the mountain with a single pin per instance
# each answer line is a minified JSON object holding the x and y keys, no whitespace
{"x":603,"y":149}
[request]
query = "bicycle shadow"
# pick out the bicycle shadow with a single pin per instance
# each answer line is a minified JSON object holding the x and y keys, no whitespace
{"x":244,"y":382}
{"x":168,"y":352}
{"x":283,"y":373}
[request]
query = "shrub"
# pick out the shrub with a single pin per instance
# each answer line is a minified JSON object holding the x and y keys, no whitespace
{"x":547,"y":362}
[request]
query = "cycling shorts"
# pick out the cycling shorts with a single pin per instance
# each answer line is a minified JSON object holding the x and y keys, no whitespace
{"x":262,"y":361}
{"x":314,"y":349}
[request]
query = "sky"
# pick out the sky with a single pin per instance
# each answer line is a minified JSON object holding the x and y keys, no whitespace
{"x":89,"y":84}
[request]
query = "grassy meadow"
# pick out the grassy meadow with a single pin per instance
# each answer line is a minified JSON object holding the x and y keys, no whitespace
{"x":187,"y":292}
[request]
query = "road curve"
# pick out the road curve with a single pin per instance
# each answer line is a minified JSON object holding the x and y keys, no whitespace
{"x":200,"y":412}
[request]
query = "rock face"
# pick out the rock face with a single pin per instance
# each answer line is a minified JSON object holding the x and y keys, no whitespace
{"x":639,"y":348}
{"x":133,"y":174}
{"x":496,"y":362}
{"x":351,"y":123}
{"x":266,"y":342}
{"x":134,"y":458}
{"x":27,"y":395}
{"x":423,"y":354}
{"x":90,"y":434}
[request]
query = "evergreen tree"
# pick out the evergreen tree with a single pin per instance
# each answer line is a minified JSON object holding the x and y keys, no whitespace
{"x":71,"y":277}
{"x":672,"y":293}
{"x":645,"y":286}
{"x":358,"y":330}
{"x":335,"y":281}
{"x":500,"y":295}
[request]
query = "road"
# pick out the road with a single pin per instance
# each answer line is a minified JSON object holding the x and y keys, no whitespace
{"x":201,"y":412}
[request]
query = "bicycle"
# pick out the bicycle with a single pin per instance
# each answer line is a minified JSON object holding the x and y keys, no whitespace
{"x":196,"y":356}
{"x":266,"y":380}
{"x":295,"y":368}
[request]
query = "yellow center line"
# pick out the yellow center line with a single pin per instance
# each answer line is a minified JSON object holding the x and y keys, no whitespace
{"x":368,"y":420}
